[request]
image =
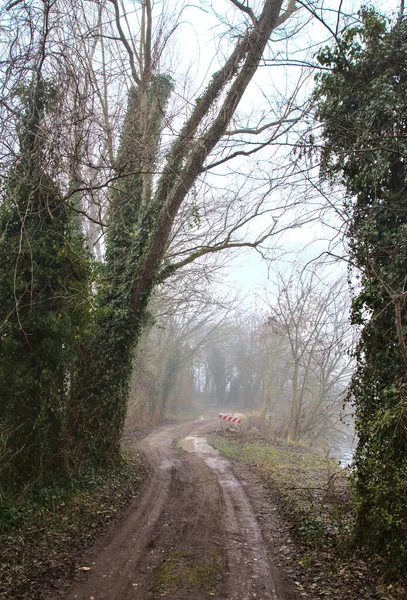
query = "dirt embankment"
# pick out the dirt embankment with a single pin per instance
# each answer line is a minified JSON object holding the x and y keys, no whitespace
{"x":192,"y":533}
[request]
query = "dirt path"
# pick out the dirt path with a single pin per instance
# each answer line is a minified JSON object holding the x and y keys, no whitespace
{"x":193,"y":533}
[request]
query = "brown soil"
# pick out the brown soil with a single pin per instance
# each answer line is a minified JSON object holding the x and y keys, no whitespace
{"x":193,"y":533}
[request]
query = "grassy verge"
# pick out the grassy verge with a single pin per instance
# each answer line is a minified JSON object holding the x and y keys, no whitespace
{"x":313,"y":494}
{"x":313,"y":491}
{"x":45,"y":532}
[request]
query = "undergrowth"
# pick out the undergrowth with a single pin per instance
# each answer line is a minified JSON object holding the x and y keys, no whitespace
{"x":313,"y":490}
{"x":314,"y":495}
{"x":44,"y":531}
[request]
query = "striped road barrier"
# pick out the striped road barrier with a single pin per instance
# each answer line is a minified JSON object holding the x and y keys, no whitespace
{"x":229,"y":419}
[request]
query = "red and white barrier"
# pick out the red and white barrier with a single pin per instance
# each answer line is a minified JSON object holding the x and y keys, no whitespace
{"x":229,"y":419}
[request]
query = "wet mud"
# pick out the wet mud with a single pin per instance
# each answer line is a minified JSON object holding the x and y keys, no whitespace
{"x":192,"y":533}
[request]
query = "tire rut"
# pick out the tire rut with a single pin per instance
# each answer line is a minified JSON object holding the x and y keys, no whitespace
{"x":194,"y":511}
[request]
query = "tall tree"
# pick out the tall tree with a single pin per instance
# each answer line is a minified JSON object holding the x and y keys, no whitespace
{"x":312,"y":317}
{"x":362,"y":108}
{"x":102,"y":394}
{"x":155,"y":197}
{"x":218,"y":367}
{"x":101,"y":391}
{"x":44,"y":277}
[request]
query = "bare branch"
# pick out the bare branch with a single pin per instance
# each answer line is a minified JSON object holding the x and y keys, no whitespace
{"x":245,"y":9}
{"x":125,"y":42}
{"x":169,"y":270}
{"x":291,"y":9}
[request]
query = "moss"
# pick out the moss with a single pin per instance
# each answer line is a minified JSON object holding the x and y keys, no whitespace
{"x":197,"y":571}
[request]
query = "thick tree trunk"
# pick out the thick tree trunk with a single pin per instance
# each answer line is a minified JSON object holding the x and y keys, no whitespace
{"x":103,"y":385}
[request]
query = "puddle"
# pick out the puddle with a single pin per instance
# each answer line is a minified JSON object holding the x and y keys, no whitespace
{"x":199,"y":445}
{"x":167,"y":464}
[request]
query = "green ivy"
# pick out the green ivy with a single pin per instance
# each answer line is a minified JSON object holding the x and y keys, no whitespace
{"x":362,"y":108}
{"x":44,"y":273}
{"x":102,"y":388}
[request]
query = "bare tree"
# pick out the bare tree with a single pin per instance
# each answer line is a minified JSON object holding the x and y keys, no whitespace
{"x":184,"y":326}
{"x":313,"y":318}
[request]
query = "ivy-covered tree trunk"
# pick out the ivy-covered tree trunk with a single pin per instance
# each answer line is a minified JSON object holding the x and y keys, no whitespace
{"x":362,"y":106}
{"x":43,"y":296}
{"x":102,"y":386}
{"x":133,"y":262}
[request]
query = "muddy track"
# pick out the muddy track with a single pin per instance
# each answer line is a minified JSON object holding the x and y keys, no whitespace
{"x":192,"y":533}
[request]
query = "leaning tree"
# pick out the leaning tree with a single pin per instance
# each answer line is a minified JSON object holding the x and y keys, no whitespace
{"x":141,"y":222}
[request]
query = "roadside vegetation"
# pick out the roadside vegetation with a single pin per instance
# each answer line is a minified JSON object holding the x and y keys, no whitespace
{"x":314,"y":495}
{"x":313,"y":490}
{"x":46,"y":529}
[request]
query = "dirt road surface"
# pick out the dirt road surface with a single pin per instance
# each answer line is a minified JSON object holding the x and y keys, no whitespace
{"x":192,"y":533}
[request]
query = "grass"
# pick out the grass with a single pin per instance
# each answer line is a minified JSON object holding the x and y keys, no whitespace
{"x":43,"y":533}
{"x":182,"y":569}
{"x":313,"y":494}
{"x":313,"y":491}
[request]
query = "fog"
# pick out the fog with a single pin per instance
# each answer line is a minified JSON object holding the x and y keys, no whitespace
{"x":283,"y":358}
